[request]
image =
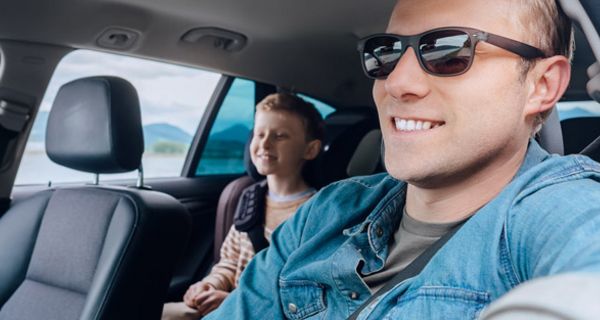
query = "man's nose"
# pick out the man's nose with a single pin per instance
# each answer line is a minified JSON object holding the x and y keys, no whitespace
{"x":408,"y":80}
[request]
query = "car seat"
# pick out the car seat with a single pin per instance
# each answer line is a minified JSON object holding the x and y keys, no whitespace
{"x":91,"y":252}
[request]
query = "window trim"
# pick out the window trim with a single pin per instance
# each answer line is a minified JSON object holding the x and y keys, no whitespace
{"x":206,"y":122}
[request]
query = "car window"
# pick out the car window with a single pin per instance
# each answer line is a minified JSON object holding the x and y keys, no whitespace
{"x":578,"y":109}
{"x":173,"y":99}
{"x":321,"y":106}
{"x":224,"y":149}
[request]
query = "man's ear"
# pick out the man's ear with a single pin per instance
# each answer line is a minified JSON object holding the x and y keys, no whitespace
{"x":312,"y":149}
{"x":548,"y":82}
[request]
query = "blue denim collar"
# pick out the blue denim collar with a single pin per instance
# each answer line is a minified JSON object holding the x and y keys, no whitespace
{"x":381,"y":223}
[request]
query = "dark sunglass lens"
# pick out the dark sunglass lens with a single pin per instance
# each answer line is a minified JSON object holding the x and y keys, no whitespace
{"x":446,"y":52}
{"x":380,"y":56}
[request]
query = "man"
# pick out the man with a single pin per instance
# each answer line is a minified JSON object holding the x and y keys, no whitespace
{"x":458,"y":103}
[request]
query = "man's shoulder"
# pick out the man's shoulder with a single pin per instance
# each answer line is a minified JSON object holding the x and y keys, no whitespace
{"x":562,"y":194}
{"x":574,"y":194}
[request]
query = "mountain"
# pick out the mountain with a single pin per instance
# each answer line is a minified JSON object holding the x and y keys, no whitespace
{"x":165,"y":132}
{"x":155,"y":132}
{"x":237,"y":133}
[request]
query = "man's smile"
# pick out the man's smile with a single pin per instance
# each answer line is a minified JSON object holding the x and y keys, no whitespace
{"x":408,"y":124}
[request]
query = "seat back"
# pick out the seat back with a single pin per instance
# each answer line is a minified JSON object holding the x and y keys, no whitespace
{"x":578,"y":133}
{"x":366,"y":159}
{"x":345,"y":129}
{"x":91,"y":252}
{"x":550,"y":136}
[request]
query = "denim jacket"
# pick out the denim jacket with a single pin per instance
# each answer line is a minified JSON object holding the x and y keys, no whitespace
{"x":546,"y":221}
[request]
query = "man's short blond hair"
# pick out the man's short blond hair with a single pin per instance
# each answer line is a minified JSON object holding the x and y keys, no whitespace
{"x":547,"y":28}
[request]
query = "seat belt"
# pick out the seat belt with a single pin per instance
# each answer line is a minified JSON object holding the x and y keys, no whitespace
{"x":257,"y":237}
{"x":250,"y":214}
{"x":413,"y":269}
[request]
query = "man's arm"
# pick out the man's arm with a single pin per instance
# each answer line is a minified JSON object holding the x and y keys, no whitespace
{"x":257,"y":296}
{"x":555,"y":249}
{"x":557,"y":230}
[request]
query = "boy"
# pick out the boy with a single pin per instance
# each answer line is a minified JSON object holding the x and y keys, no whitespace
{"x":287,"y":133}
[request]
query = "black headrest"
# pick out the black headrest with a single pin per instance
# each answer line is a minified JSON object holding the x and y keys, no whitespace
{"x":343,"y":132}
{"x":95,"y":126}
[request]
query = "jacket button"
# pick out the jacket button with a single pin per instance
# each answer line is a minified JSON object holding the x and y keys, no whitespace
{"x":354,"y":295}
{"x":379,"y":232}
{"x":292,"y":308}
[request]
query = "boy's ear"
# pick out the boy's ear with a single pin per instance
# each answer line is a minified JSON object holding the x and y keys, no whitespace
{"x":312,"y":149}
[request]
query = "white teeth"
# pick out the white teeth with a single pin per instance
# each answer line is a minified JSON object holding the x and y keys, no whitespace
{"x":414,"y":125}
{"x":403,"y":124}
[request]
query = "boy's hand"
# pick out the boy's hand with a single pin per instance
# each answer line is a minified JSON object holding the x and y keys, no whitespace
{"x":194,"y":290}
{"x":207,"y":301}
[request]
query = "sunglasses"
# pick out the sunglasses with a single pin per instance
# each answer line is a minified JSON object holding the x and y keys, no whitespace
{"x":443,"y":52}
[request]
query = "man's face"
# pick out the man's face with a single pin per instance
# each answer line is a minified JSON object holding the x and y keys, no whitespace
{"x":477,"y":119}
{"x":278,"y":143}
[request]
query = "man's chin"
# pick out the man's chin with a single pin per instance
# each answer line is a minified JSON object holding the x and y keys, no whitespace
{"x":418,"y":177}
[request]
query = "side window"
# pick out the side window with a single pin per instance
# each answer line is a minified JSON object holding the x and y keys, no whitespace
{"x":578,"y":109}
{"x":172,"y":99}
{"x":224,"y":149}
{"x":322,"y":107}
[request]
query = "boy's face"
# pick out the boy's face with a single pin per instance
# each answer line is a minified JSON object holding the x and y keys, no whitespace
{"x":482,"y":115}
{"x":279,"y":145}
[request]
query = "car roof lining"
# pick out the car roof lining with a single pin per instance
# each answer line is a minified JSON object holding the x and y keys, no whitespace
{"x":288,"y":50}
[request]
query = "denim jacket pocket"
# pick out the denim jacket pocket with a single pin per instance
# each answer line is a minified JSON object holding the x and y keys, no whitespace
{"x":439,"y":302}
{"x":302,"y":299}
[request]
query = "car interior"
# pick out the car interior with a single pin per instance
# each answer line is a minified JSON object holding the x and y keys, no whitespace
{"x":85,"y":247}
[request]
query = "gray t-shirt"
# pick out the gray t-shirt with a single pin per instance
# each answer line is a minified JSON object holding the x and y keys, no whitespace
{"x":410,"y":240}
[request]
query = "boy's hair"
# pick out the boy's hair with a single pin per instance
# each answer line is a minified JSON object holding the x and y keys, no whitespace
{"x":311,"y":118}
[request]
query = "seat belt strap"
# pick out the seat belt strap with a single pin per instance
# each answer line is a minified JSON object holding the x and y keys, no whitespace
{"x":413,"y":269}
{"x":257,"y":237}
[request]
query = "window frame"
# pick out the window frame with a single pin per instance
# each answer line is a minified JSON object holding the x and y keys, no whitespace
{"x":206,"y":122}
